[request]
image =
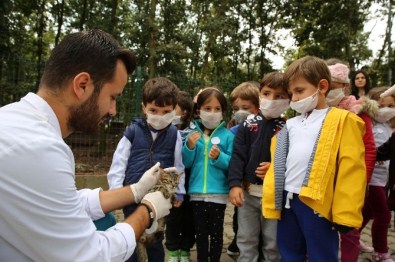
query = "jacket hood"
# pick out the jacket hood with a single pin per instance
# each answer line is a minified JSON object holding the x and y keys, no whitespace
{"x":357,"y":106}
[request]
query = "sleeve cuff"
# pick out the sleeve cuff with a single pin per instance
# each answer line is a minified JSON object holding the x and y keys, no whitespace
{"x":94,"y":206}
{"x":180,"y":197}
{"x":128,"y":233}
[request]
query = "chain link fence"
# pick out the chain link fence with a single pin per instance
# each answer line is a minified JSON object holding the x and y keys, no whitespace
{"x":93,"y":153}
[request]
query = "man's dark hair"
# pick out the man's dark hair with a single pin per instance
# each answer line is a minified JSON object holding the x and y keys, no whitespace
{"x":94,"y":51}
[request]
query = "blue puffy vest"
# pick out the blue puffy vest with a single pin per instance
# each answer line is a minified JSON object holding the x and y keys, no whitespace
{"x":145,"y":152}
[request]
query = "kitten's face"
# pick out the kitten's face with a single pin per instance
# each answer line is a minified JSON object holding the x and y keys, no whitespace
{"x":169,"y":181}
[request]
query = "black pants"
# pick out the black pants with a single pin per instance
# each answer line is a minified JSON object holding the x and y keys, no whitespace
{"x":180,"y":230}
{"x":235,"y":223}
{"x":209,"y":222}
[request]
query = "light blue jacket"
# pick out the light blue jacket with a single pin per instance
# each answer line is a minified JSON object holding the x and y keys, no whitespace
{"x":209,"y":176}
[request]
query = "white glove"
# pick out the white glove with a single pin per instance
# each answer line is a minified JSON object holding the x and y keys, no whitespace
{"x":148,"y":180}
{"x":389,"y":91}
{"x":160,"y":204}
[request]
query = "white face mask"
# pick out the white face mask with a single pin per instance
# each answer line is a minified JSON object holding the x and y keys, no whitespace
{"x":384,"y":114}
{"x":159,"y":122}
{"x":241,"y":115}
{"x":273,"y":108}
{"x":305,"y":105}
{"x":210,"y":120}
{"x":335,"y":96}
{"x":176,"y":120}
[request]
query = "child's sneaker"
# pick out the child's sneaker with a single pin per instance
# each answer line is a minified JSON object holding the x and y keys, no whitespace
{"x":384,"y":257}
{"x":233,"y":250}
{"x":365,"y":248}
{"x":173,"y":256}
{"x":184,"y":256}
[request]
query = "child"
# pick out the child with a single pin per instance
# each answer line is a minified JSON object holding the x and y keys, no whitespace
{"x":245,"y":102}
{"x":147,"y":141}
{"x":318,"y":177}
{"x":184,"y":113}
{"x":180,"y":234}
{"x":250,"y":152}
{"x":207,"y":152}
{"x":376,"y":206}
{"x":365,"y":108}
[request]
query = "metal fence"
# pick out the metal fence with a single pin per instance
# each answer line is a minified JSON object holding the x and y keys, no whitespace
{"x":93,"y":153}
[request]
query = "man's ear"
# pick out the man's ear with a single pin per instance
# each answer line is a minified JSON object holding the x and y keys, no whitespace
{"x":83,"y":86}
{"x":323,"y":86}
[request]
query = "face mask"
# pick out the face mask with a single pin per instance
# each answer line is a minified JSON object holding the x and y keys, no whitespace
{"x":305,"y":105}
{"x":210,"y":120}
{"x":176,"y":120}
{"x":335,"y":96}
{"x":159,"y":122}
{"x":241,"y":115}
{"x":384,"y":114}
{"x":273,"y":108}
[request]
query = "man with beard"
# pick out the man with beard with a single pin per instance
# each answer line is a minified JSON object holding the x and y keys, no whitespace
{"x":43,"y":217}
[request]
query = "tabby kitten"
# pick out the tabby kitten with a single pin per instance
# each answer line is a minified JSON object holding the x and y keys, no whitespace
{"x":167,"y":184}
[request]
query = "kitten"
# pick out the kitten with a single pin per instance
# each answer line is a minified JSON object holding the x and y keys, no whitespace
{"x":167,"y":184}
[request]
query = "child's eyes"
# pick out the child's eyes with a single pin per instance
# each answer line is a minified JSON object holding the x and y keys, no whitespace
{"x":281,"y":97}
{"x":210,"y":109}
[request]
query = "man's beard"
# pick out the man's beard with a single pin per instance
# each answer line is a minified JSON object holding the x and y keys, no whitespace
{"x":86,"y":117}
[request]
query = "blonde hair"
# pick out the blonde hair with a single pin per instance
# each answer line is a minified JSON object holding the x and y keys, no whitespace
{"x":246,"y":91}
{"x":375,"y":93}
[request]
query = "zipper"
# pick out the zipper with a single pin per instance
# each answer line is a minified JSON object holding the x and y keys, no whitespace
{"x":206,"y":158}
{"x":152,"y":145}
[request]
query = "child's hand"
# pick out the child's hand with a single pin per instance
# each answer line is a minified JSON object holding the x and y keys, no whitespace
{"x":262,"y":169}
{"x":214,"y":152}
{"x":236,"y":196}
{"x":177,"y":203}
{"x":192,"y":139}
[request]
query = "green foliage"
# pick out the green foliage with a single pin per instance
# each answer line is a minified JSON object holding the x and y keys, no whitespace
{"x":195,"y":43}
{"x":329,"y":28}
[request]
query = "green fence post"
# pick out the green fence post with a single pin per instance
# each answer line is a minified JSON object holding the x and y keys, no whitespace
{"x":138,"y":88}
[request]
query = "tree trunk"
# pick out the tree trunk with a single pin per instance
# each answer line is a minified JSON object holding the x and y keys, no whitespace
{"x":114,"y":19}
{"x":152,"y":39}
{"x":40,"y":43}
{"x":60,"y":21}
{"x":83,"y":15}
